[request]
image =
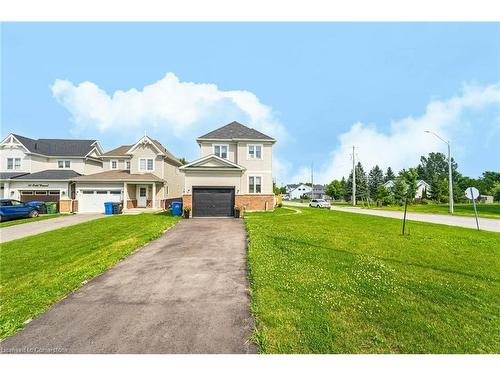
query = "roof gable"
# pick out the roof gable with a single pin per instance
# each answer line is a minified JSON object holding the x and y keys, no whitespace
{"x":212,"y":162}
{"x":235,"y":131}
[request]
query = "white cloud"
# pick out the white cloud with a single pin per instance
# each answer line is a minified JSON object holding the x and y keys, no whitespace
{"x":170,"y":104}
{"x":405,"y":141}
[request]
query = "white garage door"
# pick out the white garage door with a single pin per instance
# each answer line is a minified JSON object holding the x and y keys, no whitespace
{"x":93,"y":200}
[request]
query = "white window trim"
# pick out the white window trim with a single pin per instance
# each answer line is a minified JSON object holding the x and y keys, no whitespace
{"x":111,"y":164}
{"x":14,"y":164}
{"x":261,"y":183}
{"x":220,"y":145}
{"x":64,"y":164}
{"x":146,"y":170}
{"x":255,"y":152}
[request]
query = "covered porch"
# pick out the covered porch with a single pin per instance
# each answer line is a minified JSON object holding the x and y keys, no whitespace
{"x":143,"y":195}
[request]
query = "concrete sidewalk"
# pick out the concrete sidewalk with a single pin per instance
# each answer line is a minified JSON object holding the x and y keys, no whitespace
{"x":183,"y":293}
{"x":15,"y":232}
{"x":454,"y":220}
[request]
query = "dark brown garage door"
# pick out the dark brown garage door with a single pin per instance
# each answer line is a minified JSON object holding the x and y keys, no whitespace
{"x":41,"y":195}
{"x":213,"y":202}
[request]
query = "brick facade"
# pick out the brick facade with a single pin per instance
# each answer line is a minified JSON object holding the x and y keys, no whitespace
{"x":65,"y":206}
{"x":252,"y":202}
{"x":75,"y":206}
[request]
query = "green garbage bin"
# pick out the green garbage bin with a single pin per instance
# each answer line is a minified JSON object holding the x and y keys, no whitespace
{"x":51,"y":207}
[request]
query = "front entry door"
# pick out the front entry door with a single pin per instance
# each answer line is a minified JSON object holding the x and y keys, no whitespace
{"x":142,"y":195}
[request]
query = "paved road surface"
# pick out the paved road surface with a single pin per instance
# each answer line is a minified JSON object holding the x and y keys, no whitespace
{"x":459,"y":221}
{"x":30,"y":229}
{"x":183,"y":293}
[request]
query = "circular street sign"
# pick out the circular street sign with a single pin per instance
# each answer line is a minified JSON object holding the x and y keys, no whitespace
{"x":472,"y":193}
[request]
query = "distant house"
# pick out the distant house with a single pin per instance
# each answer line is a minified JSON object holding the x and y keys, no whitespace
{"x":319,"y":192}
{"x":488,"y":199}
{"x":421,"y":186}
{"x":296,"y":191}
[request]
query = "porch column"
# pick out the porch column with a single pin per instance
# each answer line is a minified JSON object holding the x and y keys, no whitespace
{"x":125,"y":195}
{"x":154,"y":195}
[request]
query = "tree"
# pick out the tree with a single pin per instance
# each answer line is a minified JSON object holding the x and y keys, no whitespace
{"x":439,"y":189}
{"x":389,"y":175}
{"x":361,"y":183}
{"x":410,"y":178}
{"x":183,"y":161}
{"x":375,"y":179}
{"x":335,"y":189}
{"x":496,"y":192}
{"x":346,"y":193}
{"x":383,"y":196}
{"x":399,"y":190}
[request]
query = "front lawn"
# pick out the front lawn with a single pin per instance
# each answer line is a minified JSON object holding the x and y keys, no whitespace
{"x":37,"y":271}
{"x":28,"y":220}
{"x":460,"y":209}
{"x":336,"y":282}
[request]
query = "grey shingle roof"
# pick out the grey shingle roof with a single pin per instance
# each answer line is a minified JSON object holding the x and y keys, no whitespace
{"x":50,"y":174}
{"x":8,"y":175}
{"x":57,"y":147}
{"x":122,"y":151}
{"x":235,"y":130}
{"x":119,"y":175}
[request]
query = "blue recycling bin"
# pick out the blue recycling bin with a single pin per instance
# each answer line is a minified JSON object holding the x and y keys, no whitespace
{"x":177,"y":208}
{"x":108,"y":208}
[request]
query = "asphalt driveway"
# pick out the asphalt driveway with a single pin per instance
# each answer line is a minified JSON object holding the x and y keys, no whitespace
{"x":183,"y":293}
{"x":15,"y":232}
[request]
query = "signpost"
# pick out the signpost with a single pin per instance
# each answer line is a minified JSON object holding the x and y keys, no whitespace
{"x":473,"y":193}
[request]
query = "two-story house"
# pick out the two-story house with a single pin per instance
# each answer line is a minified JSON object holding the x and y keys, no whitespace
{"x":297,"y":191}
{"x":142,"y":175}
{"x":234,"y":169}
{"x":80,"y":177}
{"x":42,"y":169}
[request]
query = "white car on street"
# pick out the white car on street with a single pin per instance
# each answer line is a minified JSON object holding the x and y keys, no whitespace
{"x":319,"y":203}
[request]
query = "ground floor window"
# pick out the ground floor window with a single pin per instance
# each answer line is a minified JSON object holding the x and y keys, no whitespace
{"x":254,"y":184}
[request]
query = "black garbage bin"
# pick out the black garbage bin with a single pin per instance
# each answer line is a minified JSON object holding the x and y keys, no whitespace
{"x":117,"y":208}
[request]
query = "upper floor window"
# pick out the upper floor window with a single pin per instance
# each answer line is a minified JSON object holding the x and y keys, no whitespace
{"x":221,"y":151}
{"x":254,"y":151}
{"x":127,"y":164}
{"x":146,"y":164}
{"x":65,"y":164}
{"x":114,"y":164}
{"x":14,"y":163}
{"x":254,"y":184}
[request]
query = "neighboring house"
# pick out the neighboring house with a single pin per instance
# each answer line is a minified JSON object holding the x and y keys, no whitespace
{"x":42,"y":169}
{"x":488,"y":199}
{"x":80,"y":177}
{"x":421,"y":187}
{"x":297,"y":191}
{"x":319,"y":192}
{"x":234,"y":169}
{"x":142,"y":175}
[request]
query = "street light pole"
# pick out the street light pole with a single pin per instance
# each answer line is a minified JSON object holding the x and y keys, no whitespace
{"x":450,"y":181}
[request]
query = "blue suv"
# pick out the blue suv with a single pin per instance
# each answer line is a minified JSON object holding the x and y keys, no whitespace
{"x":14,"y":209}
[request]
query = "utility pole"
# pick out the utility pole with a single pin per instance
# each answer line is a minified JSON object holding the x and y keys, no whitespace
{"x":450,"y":175}
{"x":353,"y":176}
{"x":312,"y":181}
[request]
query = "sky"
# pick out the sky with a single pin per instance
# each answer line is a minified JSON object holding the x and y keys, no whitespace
{"x":318,"y":88}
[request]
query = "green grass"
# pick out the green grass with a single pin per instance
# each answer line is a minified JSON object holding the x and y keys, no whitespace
{"x":37,"y":271}
{"x":460,"y":209}
{"x":28,"y":220}
{"x":336,"y":282}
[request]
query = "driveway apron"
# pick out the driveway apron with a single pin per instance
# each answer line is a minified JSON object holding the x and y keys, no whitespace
{"x":183,"y":293}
